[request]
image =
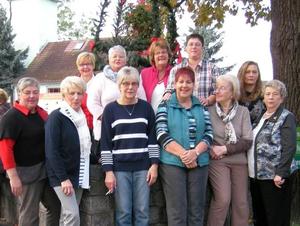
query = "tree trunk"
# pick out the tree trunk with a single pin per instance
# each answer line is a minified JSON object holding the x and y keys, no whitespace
{"x":285,"y":49}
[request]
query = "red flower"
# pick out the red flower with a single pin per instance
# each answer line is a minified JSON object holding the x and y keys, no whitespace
{"x":91,"y":45}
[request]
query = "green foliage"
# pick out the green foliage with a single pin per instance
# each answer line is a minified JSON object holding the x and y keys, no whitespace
{"x":11,"y":60}
{"x":67,"y":26}
{"x":213,"y":12}
{"x":213,"y":42}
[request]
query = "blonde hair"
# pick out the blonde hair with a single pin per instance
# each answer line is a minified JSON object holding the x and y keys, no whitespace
{"x":71,"y":81}
{"x":234,"y":83}
{"x":127,"y":72}
{"x":86,"y":56}
{"x":3,"y":96}
{"x":160,"y":43}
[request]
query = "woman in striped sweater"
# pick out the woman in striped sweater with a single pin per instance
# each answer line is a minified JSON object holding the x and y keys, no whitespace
{"x":129,"y":151}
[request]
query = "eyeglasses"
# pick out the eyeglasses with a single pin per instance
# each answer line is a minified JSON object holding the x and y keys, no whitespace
{"x":34,"y":93}
{"x":85,"y":65}
{"x":127,"y":84}
{"x":221,"y":89}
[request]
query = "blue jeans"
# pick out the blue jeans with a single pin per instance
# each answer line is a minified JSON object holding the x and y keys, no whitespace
{"x":132,"y":198}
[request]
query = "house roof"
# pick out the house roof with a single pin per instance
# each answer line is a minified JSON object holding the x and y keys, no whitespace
{"x":56,"y":61}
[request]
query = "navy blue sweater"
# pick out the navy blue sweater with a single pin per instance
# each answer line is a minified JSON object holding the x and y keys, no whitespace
{"x":62,"y":149}
{"x":128,"y":142}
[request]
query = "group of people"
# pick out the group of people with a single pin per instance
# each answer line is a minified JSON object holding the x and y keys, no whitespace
{"x":188,"y":124}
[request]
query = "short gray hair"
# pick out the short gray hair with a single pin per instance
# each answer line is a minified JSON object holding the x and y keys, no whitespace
{"x":277,"y":85}
{"x":23,"y":83}
{"x":117,"y":48}
{"x":71,"y":82}
{"x":128,"y":72}
{"x":234,"y":82}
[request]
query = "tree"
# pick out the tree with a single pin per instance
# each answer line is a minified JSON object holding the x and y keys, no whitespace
{"x":11,"y":60}
{"x":67,"y":26}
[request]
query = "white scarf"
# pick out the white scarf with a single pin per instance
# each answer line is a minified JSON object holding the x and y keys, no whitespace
{"x":79,"y":120}
{"x":230,"y":136}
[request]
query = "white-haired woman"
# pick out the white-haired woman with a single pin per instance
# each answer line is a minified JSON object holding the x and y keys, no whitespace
{"x":129,"y":151}
{"x":104,"y":88}
{"x":22,"y":151}
{"x":68,"y":146}
{"x":228,"y":172}
{"x":270,"y":159}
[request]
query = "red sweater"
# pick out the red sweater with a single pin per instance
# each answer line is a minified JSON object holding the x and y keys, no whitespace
{"x":7,"y":144}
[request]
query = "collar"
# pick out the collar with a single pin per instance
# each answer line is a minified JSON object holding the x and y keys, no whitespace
{"x":42,"y":113}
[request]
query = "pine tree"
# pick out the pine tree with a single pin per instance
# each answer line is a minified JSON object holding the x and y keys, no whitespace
{"x":11,"y":60}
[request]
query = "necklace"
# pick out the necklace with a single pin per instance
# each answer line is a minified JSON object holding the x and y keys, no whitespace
{"x":268,"y":115}
{"x":129,"y":112}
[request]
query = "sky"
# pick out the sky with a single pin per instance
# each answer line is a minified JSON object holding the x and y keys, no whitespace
{"x":241,"y":41}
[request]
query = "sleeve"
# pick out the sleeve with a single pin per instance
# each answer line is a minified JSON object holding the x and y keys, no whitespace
{"x":53,"y":143}
{"x":215,"y":72}
{"x":106,"y":140}
{"x":94,"y":94}
{"x":288,"y":144}
{"x":152,"y":141}
{"x":208,"y":133}
{"x":6,"y":153}
{"x":171,"y":79}
{"x":245,"y":141}
{"x":141,"y":92}
{"x":162,"y":132}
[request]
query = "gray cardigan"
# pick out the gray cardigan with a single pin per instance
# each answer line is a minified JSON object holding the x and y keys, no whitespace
{"x":236,"y":153}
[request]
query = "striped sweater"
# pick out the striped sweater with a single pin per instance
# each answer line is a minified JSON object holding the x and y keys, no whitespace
{"x":128,"y":140}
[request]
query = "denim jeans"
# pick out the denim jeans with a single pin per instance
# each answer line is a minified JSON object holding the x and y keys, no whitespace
{"x":132,"y":198}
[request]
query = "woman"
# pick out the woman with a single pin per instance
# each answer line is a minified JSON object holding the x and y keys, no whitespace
{"x":22,"y":150}
{"x":104,"y":88}
{"x":270,"y":159}
{"x":155,"y":78}
{"x":184,"y":132}
{"x":129,"y":151}
{"x":251,"y":90}
{"x":4,"y":106}
{"x":228,"y":172}
{"x":86,"y":64}
{"x":68,"y":146}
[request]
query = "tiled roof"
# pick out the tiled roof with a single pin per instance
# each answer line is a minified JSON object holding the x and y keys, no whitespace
{"x":56,"y":61}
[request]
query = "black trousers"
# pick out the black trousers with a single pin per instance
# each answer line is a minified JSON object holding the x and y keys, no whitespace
{"x":271,"y":205}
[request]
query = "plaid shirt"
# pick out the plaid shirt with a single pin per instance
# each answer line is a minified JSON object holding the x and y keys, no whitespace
{"x":205,"y":78}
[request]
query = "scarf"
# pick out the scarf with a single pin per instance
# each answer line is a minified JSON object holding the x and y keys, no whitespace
{"x":109,"y":73}
{"x":79,"y":120}
{"x":230,"y":136}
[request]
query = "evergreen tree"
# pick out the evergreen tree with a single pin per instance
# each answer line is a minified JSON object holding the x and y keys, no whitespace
{"x":213,"y":42}
{"x":11,"y":60}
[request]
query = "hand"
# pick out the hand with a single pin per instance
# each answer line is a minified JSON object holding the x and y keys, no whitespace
{"x":218,"y":152}
{"x":278,"y":181}
{"x":152,"y":174}
{"x":110,"y":181}
{"x":188,"y":156}
{"x":166,"y":96}
{"x":191,"y":165}
{"x":67,"y":187}
{"x":204,"y":101}
{"x":16,"y":185}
